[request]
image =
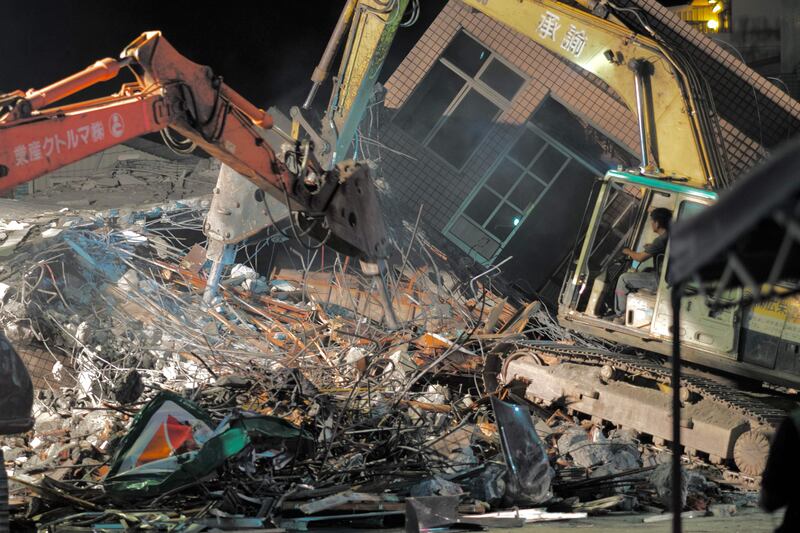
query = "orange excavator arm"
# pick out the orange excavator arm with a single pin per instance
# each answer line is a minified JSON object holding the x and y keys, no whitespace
{"x":339,"y":206}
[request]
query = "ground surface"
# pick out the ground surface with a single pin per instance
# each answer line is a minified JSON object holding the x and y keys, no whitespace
{"x":746,"y":521}
{"x":751,"y":521}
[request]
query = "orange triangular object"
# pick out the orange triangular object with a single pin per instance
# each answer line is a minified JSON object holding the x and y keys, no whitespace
{"x":170,"y":436}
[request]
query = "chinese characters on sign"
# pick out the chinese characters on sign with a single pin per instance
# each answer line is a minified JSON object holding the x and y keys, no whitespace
{"x":59,"y":143}
{"x":548,"y":26}
{"x":574,"y":41}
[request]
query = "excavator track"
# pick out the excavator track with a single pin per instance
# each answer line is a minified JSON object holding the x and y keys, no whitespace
{"x":750,"y":451}
{"x":748,"y":407}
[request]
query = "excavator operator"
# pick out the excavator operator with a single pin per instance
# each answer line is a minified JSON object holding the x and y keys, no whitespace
{"x":628,"y":282}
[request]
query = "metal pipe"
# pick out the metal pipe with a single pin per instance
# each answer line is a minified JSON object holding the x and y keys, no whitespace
{"x":407,"y":252}
{"x":383,"y":295}
{"x":322,"y":70}
{"x":637,"y":66}
{"x":214,"y":276}
{"x":218,"y":263}
{"x":677,"y":501}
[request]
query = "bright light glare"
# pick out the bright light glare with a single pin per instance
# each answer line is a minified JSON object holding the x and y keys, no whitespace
{"x":516,"y":221}
{"x":713,"y":24}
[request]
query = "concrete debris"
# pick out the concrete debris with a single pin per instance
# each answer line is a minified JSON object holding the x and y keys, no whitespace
{"x":722,"y":509}
{"x":130,"y":181}
{"x":661,"y":479}
{"x":576,"y":443}
{"x":286,"y":403}
{"x":436,"y":486}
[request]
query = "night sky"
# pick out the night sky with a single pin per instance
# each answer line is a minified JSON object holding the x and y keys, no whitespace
{"x":265,"y":50}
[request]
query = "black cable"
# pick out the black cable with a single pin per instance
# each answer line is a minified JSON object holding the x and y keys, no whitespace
{"x":291,"y":220}
{"x":294,"y":231}
{"x":218,"y":133}
{"x":176,"y":146}
{"x":700,"y":90}
{"x":215,"y":108}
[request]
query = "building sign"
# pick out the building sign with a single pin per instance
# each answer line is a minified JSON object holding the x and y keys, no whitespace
{"x":548,"y":26}
{"x":573,"y":41}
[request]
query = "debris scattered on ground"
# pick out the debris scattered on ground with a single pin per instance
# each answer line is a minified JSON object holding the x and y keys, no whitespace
{"x":287,"y":403}
{"x":133,"y":178}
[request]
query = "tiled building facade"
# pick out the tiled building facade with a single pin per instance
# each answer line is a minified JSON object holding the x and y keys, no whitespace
{"x":520,"y":185}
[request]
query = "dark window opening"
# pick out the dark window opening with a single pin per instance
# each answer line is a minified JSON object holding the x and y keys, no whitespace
{"x":526,"y":148}
{"x":429,"y":102}
{"x":454,"y":107}
{"x":503,"y":178}
{"x":481,"y":206}
{"x":526,"y":192}
{"x":548,"y":164}
{"x":502,"y":79}
{"x":466,"y":53}
{"x":465,"y":129}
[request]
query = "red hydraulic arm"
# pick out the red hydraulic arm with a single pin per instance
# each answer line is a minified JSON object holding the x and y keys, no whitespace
{"x":172,"y":91}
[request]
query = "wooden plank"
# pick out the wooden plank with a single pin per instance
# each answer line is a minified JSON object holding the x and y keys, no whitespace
{"x":521,"y":321}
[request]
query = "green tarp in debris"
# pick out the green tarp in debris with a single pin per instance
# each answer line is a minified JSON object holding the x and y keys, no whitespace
{"x":172,"y":444}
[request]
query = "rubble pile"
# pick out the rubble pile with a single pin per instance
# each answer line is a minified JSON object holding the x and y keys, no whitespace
{"x":286,"y":402}
{"x":130,"y":180}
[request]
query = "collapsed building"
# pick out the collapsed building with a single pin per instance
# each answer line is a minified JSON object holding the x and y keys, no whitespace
{"x":524,"y":133}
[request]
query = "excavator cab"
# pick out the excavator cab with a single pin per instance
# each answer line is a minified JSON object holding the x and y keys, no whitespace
{"x":621,"y":219}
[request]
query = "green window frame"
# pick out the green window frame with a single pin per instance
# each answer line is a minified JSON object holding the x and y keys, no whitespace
{"x":496,"y":208}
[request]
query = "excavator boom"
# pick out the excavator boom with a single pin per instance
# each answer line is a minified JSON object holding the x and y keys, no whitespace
{"x":173,"y":92}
